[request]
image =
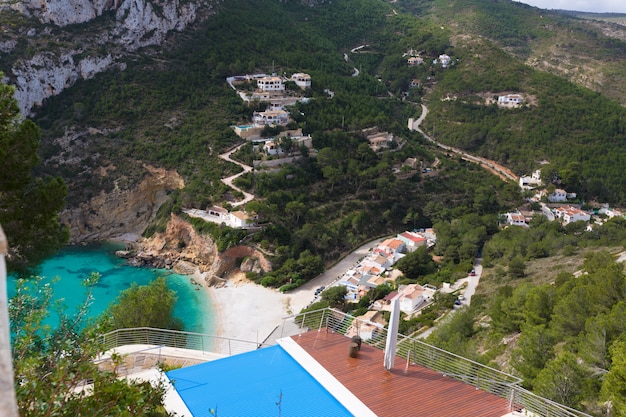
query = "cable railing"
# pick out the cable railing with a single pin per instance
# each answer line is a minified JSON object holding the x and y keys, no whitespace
{"x":414,"y":351}
{"x":417,"y":352}
{"x":176,"y":339}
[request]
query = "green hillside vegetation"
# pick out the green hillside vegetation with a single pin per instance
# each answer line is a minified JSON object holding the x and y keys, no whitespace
{"x":52,"y":364}
{"x":557,"y":296}
{"x":582,"y":48}
{"x":171,"y":107}
{"x":29,"y":204}
{"x":579,"y":132}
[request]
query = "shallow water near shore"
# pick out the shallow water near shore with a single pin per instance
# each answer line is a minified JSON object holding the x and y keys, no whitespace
{"x":74,"y":263}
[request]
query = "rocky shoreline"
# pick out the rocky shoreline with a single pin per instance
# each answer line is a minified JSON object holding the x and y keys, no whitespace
{"x":181,"y":249}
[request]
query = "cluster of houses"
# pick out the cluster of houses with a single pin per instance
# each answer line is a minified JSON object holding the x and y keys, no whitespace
{"x":269,"y":89}
{"x":377,"y":268}
{"x":558,"y":205}
{"x":415,"y":59}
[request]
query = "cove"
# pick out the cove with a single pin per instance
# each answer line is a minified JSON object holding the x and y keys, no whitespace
{"x":66,"y":270}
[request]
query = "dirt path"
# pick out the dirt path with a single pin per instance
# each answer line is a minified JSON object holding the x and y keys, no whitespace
{"x":229,"y":180}
{"x":504,"y":173}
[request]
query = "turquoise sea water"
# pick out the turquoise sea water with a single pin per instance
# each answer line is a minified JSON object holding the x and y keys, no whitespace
{"x":72,"y":264}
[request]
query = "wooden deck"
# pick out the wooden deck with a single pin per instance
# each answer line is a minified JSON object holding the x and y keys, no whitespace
{"x":414,"y":392}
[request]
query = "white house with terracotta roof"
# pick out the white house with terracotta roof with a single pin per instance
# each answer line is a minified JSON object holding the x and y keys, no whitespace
{"x":412,"y":240}
{"x":272,"y":148}
{"x":391,"y":246}
{"x":411,"y":297}
{"x":516,"y":219}
{"x":368,"y":326}
{"x":569,"y":214}
{"x":415,"y":60}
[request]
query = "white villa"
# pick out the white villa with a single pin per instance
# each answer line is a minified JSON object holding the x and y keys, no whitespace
{"x":557,"y":196}
{"x":445,"y":60}
{"x":272,"y":148}
{"x":510,"y":100}
{"x":516,"y":219}
{"x":219,"y":214}
{"x":270,"y":118}
{"x":241,"y":219}
{"x":412,"y":240}
{"x":270,"y":83}
{"x":302,"y":80}
{"x":378,"y":140}
{"x":215,"y":214}
{"x":391,"y":247}
{"x":569,"y":214}
{"x":412,"y":296}
{"x":530,"y":182}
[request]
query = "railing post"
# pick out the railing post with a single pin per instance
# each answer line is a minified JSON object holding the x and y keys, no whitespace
{"x":408,"y":358}
{"x":321,"y":322}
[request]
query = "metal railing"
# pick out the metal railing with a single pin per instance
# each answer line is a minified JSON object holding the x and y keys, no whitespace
{"x":414,"y":351}
{"x":176,"y":339}
{"x":417,"y":352}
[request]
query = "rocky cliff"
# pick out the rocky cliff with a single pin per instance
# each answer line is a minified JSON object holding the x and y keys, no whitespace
{"x":65,"y":46}
{"x":121,"y":212}
{"x":183,"y":250}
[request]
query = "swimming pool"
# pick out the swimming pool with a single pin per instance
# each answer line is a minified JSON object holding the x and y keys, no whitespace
{"x":264,"y":382}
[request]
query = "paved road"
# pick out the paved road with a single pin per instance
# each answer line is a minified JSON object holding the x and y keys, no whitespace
{"x":229,"y":180}
{"x":468,"y":292}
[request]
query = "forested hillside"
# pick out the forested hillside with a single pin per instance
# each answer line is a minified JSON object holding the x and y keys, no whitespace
{"x":550,"y":308}
{"x":170,"y":107}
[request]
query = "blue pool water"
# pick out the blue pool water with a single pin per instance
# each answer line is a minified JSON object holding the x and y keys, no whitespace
{"x":251,"y":384}
{"x":72,"y":264}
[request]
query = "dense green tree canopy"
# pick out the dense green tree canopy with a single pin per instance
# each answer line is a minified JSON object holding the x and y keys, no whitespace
{"x":29,"y":205}
{"x":52,"y":364}
{"x":150,"y":305}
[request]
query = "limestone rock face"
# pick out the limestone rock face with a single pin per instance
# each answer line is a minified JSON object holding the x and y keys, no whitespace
{"x":185,"y":251}
{"x":179,"y":248}
{"x":132,"y":24}
{"x":47,"y":74}
{"x":121,"y":212}
{"x":65,"y":12}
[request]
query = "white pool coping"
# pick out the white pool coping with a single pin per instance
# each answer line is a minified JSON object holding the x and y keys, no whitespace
{"x":325,"y":378}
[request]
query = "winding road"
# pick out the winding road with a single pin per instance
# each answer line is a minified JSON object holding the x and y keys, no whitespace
{"x":493,"y":167}
{"x":229,"y":180}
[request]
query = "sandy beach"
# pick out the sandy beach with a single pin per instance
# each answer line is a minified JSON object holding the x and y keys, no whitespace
{"x":250,"y":312}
